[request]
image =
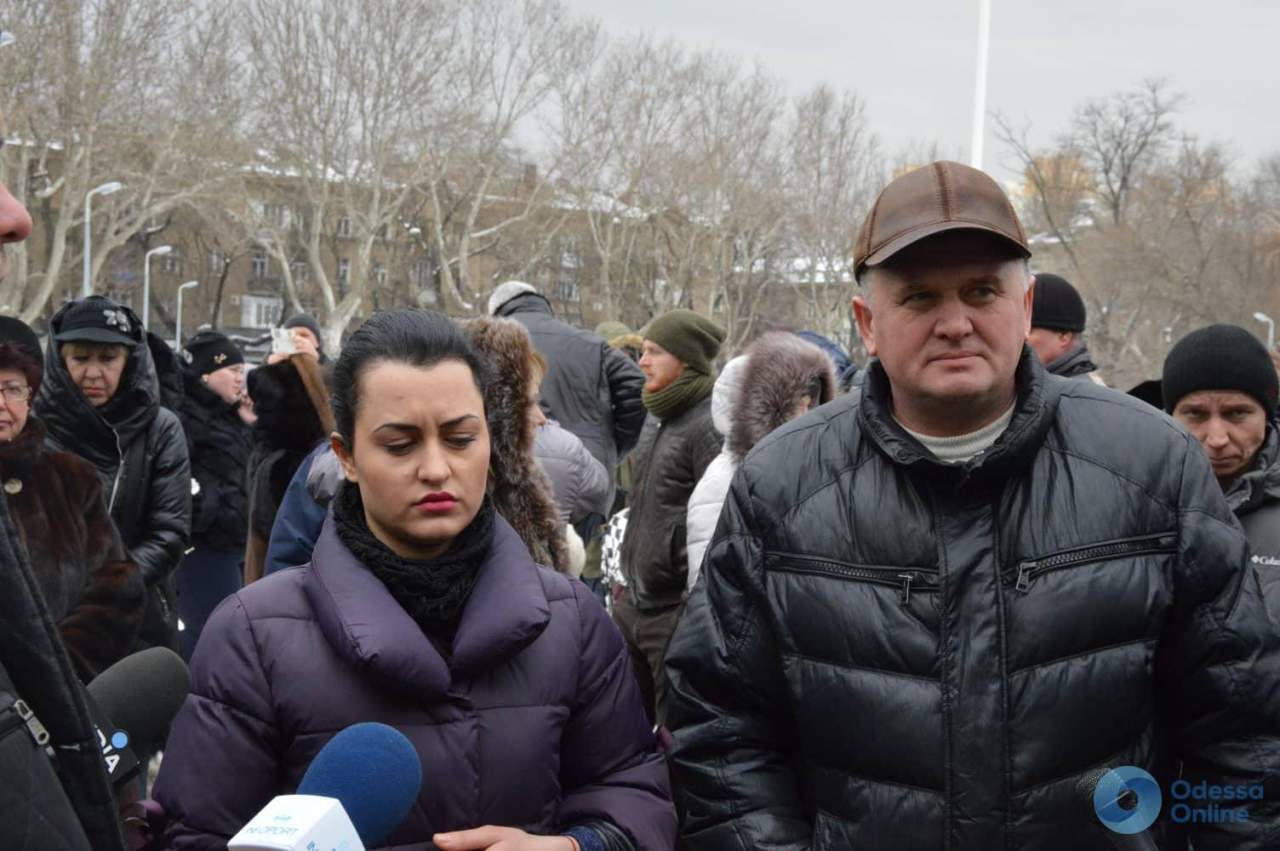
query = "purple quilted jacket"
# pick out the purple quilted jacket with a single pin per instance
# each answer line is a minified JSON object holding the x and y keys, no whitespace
{"x":535,"y":722}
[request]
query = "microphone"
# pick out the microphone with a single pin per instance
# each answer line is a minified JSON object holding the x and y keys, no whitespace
{"x":1085,"y":790}
{"x":357,"y":790}
{"x":135,"y":700}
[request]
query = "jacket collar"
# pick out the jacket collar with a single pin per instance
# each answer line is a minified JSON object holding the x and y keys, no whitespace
{"x":1035,"y":407}
{"x":1262,"y":482}
{"x":526,"y":303}
{"x":1078,"y":361}
{"x":506,"y":611}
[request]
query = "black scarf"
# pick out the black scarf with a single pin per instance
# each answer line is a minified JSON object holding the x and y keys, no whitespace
{"x":432,"y":592}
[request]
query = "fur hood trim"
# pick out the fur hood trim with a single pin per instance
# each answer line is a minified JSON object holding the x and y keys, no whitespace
{"x":781,"y":368}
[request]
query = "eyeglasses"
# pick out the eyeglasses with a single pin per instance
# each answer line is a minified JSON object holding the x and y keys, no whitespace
{"x":16,"y":392}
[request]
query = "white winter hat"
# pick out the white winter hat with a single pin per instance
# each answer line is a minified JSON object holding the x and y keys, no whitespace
{"x":505,"y":292}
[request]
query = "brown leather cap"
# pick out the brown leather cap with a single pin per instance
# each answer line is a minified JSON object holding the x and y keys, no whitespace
{"x":939,"y":197}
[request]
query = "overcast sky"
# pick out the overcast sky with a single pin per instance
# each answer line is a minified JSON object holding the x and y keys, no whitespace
{"x":913,"y":60}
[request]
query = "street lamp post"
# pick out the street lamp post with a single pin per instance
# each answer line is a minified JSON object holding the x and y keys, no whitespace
{"x":86,"y":289}
{"x":1271,"y":329}
{"x":980,"y":85}
{"x":177,"y":318}
{"x":146,"y":281}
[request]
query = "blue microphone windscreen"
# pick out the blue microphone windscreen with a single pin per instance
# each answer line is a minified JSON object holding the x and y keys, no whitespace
{"x":374,"y":771}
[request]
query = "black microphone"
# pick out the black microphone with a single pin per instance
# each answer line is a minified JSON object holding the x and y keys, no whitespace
{"x":1084,"y":791}
{"x":135,"y":700}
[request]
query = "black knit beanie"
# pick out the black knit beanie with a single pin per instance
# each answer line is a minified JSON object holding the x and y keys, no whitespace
{"x":694,"y":339}
{"x":303,"y":320}
{"x":1056,"y":305}
{"x":1220,"y":357}
{"x":210,"y":351}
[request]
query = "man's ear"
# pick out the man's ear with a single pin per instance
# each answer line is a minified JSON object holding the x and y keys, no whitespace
{"x":1027,"y":298}
{"x":339,"y":447}
{"x":862,"y":313}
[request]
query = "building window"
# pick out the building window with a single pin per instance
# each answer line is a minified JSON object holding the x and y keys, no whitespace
{"x":217,"y":261}
{"x":379,"y":274}
{"x":566,"y":290}
{"x":276,"y":214}
{"x":259,"y":264}
{"x":171,"y":262}
{"x":344,"y":226}
{"x":260,"y":311}
{"x":344,"y":272}
{"x":300,"y":270}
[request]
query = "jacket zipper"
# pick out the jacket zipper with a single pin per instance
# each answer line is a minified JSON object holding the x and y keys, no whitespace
{"x":904,"y":579}
{"x":115,"y":486}
{"x":20,"y":715}
{"x":1029,"y":571}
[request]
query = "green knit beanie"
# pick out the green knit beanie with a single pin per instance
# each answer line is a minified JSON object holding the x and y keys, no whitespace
{"x":694,"y":339}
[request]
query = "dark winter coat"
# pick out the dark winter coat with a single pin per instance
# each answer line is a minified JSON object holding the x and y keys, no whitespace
{"x":93,"y":592}
{"x":298,"y":520}
{"x":1255,"y":498}
{"x":519,"y":488}
{"x":669,"y":460}
{"x":35,"y":668}
{"x":889,"y":652}
{"x":218,"y":442}
{"x":591,"y":389}
{"x":1077,"y":363}
{"x":293,"y":418}
{"x":534,"y":721}
{"x":140,"y":453}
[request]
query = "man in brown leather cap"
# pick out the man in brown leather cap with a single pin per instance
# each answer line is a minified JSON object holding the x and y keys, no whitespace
{"x":972,"y":606}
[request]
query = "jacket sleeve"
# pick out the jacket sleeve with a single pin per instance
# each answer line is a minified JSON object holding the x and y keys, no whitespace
{"x":103,"y":626}
{"x":1219,"y":666}
{"x":220,"y":765}
{"x":626,"y":384}
{"x":730,"y":759}
{"x":610,"y":767}
{"x":297,"y":526}
{"x":168,"y":514}
{"x":592,"y":490}
{"x":704,"y":512}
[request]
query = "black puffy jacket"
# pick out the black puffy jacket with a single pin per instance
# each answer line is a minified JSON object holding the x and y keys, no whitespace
{"x":140,"y":453}
{"x":591,"y":389}
{"x":218,"y":443}
{"x":1255,"y":498}
{"x":669,"y":460}
{"x":886,"y":652}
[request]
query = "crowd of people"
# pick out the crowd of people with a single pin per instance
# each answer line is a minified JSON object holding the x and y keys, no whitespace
{"x":628,"y":590}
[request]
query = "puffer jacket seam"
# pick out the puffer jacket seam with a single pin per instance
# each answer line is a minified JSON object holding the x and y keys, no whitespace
{"x":847,"y":667}
{"x":1093,"y":651}
{"x":257,"y":652}
{"x":1006,"y":729}
{"x":1052,"y":446}
{"x":878,"y":781}
{"x":834,"y":480}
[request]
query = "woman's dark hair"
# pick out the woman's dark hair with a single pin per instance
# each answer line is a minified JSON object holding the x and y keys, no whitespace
{"x":14,"y":356}
{"x":413,"y":337}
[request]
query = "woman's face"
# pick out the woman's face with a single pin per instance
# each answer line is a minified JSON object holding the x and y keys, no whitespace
{"x":15,"y":404}
{"x":227,"y":382}
{"x":420,"y":454}
{"x":96,"y":368}
{"x":533,"y":412}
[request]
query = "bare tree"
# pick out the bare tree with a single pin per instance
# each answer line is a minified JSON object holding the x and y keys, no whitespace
{"x":339,"y":88}
{"x":92,"y":95}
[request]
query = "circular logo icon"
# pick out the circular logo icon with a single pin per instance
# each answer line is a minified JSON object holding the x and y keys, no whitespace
{"x":119,"y":740}
{"x":1127,"y":800}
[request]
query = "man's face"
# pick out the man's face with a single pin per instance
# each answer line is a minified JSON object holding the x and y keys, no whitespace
{"x":659,"y":366}
{"x":1049,"y":345}
{"x":948,"y":318}
{"x":1230,"y":425}
{"x":15,"y":223}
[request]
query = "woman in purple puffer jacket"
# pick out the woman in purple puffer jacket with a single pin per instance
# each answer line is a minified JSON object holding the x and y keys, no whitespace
{"x":423,"y":610}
